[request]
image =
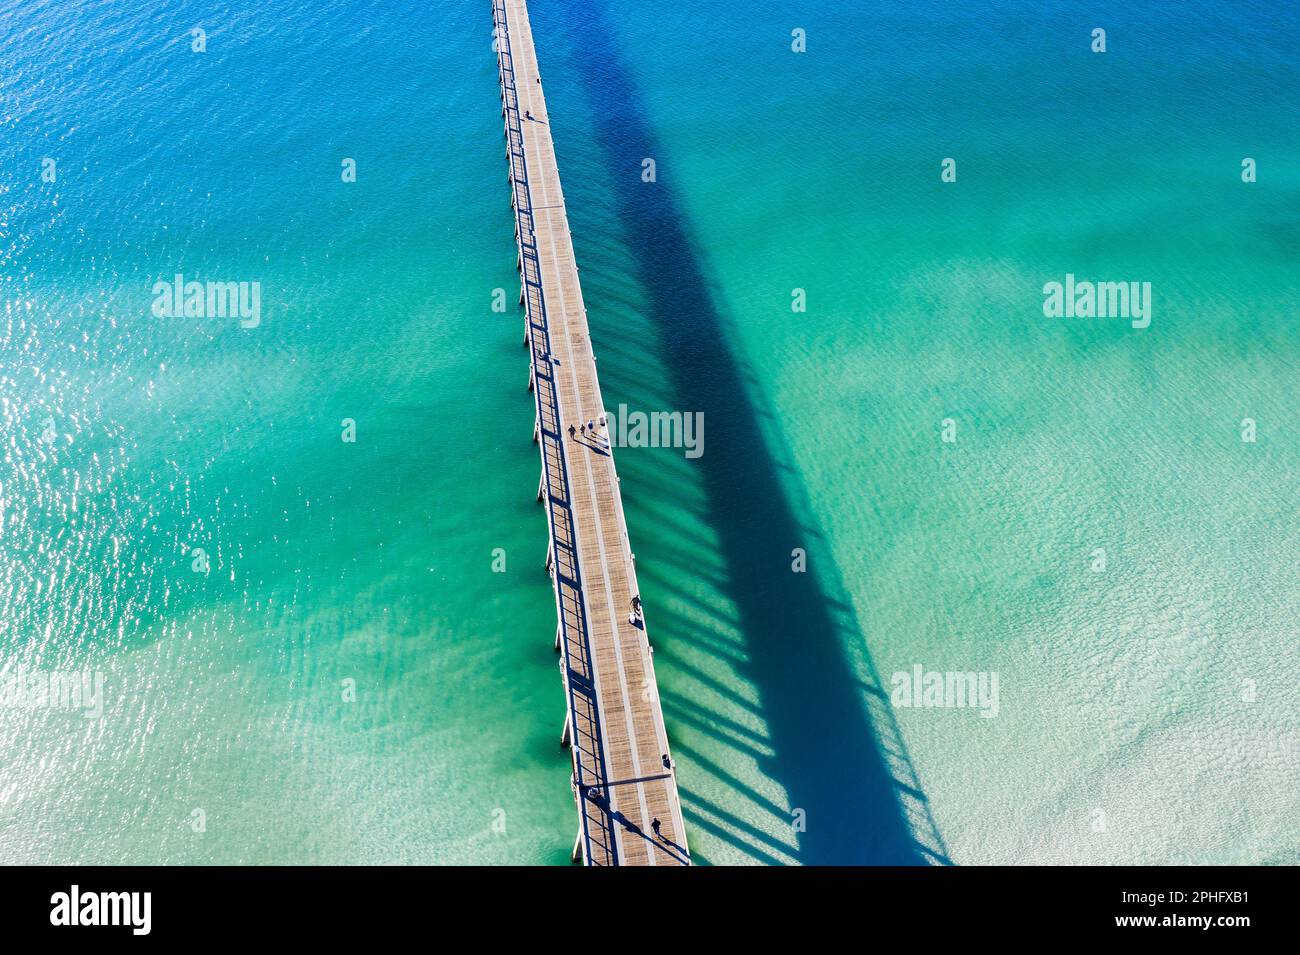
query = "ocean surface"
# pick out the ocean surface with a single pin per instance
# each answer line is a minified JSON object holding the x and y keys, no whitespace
{"x":363,"y":673}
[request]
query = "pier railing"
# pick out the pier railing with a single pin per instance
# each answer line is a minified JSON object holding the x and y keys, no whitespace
{"x":596,"y":832}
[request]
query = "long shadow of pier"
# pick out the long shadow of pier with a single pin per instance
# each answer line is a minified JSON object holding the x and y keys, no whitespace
{"x":835,"y":746}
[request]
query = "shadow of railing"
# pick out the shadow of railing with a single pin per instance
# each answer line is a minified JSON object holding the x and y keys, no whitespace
{"x":835,"y":745}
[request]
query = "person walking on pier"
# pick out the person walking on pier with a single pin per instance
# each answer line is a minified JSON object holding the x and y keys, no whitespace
{"x":572,"y":432}
{"x":655,"y":824}
{"x":582,"y":429}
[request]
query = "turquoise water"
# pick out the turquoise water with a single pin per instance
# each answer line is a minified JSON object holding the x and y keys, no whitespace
{"x":1148,"y":713}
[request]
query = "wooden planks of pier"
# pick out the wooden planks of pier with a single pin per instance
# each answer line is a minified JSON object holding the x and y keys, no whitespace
{"x":622,"y":770}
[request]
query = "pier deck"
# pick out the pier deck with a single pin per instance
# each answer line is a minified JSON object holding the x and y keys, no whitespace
{"x":622,"y":775}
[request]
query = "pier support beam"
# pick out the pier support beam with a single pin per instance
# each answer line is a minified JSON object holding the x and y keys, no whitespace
{"x":576,"y":857}
{"x":559,"y":630}
{"x":537,"y":428}
{"x":565,"y":737}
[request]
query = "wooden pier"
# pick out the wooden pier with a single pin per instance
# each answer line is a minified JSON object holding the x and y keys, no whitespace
{"x":623,"y":776}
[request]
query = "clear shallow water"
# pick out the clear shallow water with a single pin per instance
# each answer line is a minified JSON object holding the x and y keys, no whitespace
{"x":329,"y":561}
{"x":1121,"y":692}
